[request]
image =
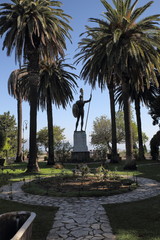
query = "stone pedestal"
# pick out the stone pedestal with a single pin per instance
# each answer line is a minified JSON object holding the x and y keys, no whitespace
{"x":80,"y":150}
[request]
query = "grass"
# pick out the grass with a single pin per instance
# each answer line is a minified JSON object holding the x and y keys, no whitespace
{"x":130,"y":221}
{"x":137,"y":220}
{"x":17,"y":172}
{"x":43,"y":221}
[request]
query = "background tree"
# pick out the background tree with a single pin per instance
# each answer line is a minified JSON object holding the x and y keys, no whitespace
{"x":42,"y":137}
{"x":63,"y":151}
{"x":2,"y":139}
{"x":101,"y":134}
{"x":8,"y":126}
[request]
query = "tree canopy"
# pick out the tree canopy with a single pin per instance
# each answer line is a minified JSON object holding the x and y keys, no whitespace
{"x":101,"y":134}
{"x":9,"y":129}
{"x":42,"y":137}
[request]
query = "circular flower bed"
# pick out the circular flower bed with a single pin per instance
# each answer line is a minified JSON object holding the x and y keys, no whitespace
{"x":79,"y":185}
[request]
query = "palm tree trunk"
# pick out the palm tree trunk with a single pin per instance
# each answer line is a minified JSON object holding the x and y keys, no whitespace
{"x":130,"y":164}
{"x":139,"y":126}
{"x":19,"y":156}
{"x":34,"y":78}
{"x":114,"y":154}
{"x":50,"y":131}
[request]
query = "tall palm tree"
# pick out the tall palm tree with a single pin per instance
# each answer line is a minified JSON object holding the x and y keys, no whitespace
{"x":56,"y":85}
{"x":15,"y":91}
{"x":114,"y":154}
{"x":146,"y":96}
{"x":35,"y":29}
{"x":123,"y":45}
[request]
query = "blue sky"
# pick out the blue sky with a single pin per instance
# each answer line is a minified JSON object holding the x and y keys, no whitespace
{"x":80,"y":11}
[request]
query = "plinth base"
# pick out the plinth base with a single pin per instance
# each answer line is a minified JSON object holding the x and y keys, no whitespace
{"x":80,"y":157}
{"x":80,"y":150}
{"x":80,"y":142}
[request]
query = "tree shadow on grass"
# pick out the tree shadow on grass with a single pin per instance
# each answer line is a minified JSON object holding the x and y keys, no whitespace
{"x":135,"y":220}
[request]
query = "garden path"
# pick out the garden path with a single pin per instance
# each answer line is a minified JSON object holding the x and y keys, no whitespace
{"x":81,"y":218}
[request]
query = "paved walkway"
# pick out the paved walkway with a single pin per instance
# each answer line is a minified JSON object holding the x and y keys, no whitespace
{"x":81,"y":218}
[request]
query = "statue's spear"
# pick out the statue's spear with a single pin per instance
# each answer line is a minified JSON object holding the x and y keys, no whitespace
{"x":88,"y":111}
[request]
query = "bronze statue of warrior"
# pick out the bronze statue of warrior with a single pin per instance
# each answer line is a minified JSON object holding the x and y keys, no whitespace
{"x":78,"y":109}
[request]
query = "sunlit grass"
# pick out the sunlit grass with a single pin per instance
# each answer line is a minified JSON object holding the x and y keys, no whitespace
{"x":17,"y":172}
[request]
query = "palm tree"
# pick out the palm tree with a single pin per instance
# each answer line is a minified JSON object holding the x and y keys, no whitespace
{"x":56,"y":85}
{"x":146,"y":96}
{"x":122,"y":45}
{"x":15,"y":91}
{"x":111,"y":87}
{"x":35,"y":29}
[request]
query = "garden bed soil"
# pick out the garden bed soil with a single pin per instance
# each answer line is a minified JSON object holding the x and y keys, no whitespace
{"x":80,"y":186}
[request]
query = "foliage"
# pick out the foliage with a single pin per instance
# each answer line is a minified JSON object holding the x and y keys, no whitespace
{"x":154,"y":145}
{"x":63,"y":151}
{"x":24,"y":20}
{"x":2,"y":139}
{"x":101,"y":134}
{"x":80,"y":184}
{"x":56,"y":83}
{"x":154,"y":110}
{"x":8,"y":125}
{"x":120,"y":127}
{"x":83,"y":168}
{"x":42,"y":137}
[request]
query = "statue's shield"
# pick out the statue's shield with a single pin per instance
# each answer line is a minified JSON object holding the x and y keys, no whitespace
{"x":75,"y":110}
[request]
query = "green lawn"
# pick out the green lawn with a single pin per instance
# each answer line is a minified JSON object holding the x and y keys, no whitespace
{"x":130,"y":221}
{"x":17,"y":172}
{"x":137,"y":220}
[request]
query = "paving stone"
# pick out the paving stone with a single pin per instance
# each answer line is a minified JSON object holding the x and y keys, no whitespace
{"x":67,"y":220}
{"x":78,"y":233}
{"x":98,"y":238}
{"x":95,"y":226}
{"x":70,"y":226}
